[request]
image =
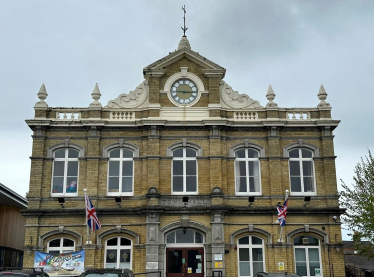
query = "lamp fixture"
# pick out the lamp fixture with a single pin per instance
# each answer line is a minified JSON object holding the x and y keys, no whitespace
{"x":306,"y":200}
{"x":185,"y":200}
{"x":61,"y":201}
{"x":251,"y":200}
{"x":118,"y":201}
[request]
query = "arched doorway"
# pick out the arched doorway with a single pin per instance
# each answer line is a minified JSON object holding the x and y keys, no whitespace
{"x":185,"y":253}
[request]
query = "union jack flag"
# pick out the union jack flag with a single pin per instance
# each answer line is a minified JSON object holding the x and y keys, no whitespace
{"x":92,"y":220}
{"x":282,"y":212}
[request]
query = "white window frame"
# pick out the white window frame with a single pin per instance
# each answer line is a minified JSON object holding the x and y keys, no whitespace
{"x":306,"y":247}
{"x":66,"y":160}
{"x":250,"y":247}
{"x":61,"y":248}
{"x":246,"y":159}
{"x":300,"y":160}
{"x":118,"y":247}
{"x":121,"y":160}
{"x":184,"y":159}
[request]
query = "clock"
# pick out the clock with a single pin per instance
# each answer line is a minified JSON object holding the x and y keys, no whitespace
{"x":184,"y":92}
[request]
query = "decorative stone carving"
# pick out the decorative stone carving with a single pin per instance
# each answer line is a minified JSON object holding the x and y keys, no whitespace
{"x":185,"y":220}
{"x":322,"y":95}
{"x":270,"y":96}
{"x":133,"y":99}
{"x":95,"y":96}
{"x":233,"y":99}
{"x":42,"y":95}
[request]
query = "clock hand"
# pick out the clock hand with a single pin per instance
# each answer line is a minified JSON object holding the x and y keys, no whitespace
{"x":183,"y":91}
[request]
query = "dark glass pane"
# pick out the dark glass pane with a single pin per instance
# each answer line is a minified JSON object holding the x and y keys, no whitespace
{"x":170,"y":238}
{"x":192,"y":262}
{"x":188,"y":237}
{"x":242,"y":168}
{"x":58,"y":168}
{"x":243,"y":254}
{"x":310,"y":240}
{"x":177,"y":183}
{"x":256,"y":240}
{"x":112,"y":242}
{"x":258,"y":267}
{"x":60,"y":153}
{"x":244,"y":240}
{"x":115,"y":153}
{"x":190,"y":153}
{"x":252,"y":187}
{"x":73,"y":153}
{"x":191,"y":167}
{"x":113,"y":168}
{"x":307,"y":168}
{"x":295,"y":184}
{"x":240,"y":153}
{"x":50,"y":252}
{"x":127,"y":153}
{"x":125,"y":241}
{"x":198,"y":237}
{"x":127,"y":168}
{"x":111,"y":256}
{"x":242,"y":184}
{"x":113,"y":184}
{"x":308,"y":184}
{"x":175,"y":261}
{"x":68,"y":243}
{"x":294,"y":168}
{"x":294,"y":153}
{"x":124,"y":256}
{"x":177,"y":168}
{"x":55,"y":243}
{"x":72,"y":168}
{"x":191,"y":185}
{"x":58,"y":185}
{"x":178,"y":152}
{"x":126,"y":184}
{"x":257,"y":254}
{"x":71,"y":185}
{"x":252,"y":153}
{"x":244,"y":269}
{"x":306,"y":153}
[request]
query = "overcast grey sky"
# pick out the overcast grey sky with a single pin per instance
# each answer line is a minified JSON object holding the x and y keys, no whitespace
{"x":295,"y":46}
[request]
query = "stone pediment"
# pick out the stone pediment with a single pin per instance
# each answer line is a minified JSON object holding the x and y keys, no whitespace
{"x":233,"y":99}
{"x":210,"y":67}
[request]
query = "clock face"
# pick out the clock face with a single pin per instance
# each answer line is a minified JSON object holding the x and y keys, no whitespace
{"x":184,"y":91}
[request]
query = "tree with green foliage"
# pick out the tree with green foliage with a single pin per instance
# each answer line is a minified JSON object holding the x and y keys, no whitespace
{"x":358,"y":199}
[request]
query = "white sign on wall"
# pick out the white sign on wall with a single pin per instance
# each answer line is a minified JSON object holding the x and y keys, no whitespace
{"x":151,"y":265}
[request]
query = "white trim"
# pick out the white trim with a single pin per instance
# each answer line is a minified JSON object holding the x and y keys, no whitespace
{"x":250,"y":246}
{"x":305,"y":247}
{"x":184,"y":159}
{"x":118,"y":247}
{"x":61,"y":248}
{"x":183,"y":75}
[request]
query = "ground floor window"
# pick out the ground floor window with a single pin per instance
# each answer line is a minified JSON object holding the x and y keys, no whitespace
{"x":307,"y":256}
{"x":250,"y":255}
{"x":60,"y":245}
{"x":118,"y":253}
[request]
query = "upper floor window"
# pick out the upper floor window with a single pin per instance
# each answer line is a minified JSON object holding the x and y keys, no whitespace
{"x":301,"y":166}
{"x":307,"y":256}
{"x":60,"y":245}
{"x":118,"y":253}
{"x":250,"y":256}
{"x":247,"y":172}
{"x":121,"y":172}
{"x":184,"y":168}
{"x":65,"y":172}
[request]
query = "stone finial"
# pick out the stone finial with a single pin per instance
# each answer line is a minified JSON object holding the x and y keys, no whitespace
{"x":42,"y":95}
{"x":322,"y":95}
{"x":270,"y":96}
{"x":96,"y":96}
{"x":184,"y":43}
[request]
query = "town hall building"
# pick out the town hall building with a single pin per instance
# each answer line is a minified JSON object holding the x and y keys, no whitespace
{"x":186,"y":174}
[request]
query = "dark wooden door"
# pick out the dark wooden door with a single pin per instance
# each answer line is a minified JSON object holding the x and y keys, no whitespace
{"x":185,"y":262}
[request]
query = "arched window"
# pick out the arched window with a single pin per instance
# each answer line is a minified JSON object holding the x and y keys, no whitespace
{"x":121,"y":172}
{"x":307,"y":256}
{"x":184,"y":171}
{"x":250,"y":256}
{"x":60,"y":245}
{"x":302,"y":176}
{"x":185,"y":236}
{"x":247,"y":172}
{"x":65,"y":172}
{"x":118,"y":253}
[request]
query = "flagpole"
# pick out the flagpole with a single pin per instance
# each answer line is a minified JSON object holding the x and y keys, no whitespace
{"x":281,"y":227}
{"x":88,"y":229}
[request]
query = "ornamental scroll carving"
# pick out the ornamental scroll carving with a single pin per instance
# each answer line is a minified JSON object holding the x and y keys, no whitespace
{"x":133,"y":99}
{"x":233,"y":99}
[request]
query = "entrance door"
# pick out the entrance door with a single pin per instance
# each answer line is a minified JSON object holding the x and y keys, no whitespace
{"x":188,"y":262}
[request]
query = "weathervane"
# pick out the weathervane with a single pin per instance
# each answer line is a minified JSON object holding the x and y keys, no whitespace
{"x":184,"y":21}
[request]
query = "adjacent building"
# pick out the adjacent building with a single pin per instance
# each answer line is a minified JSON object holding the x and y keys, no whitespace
{"x":186,"y":173}
{"x":12,"y":227}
